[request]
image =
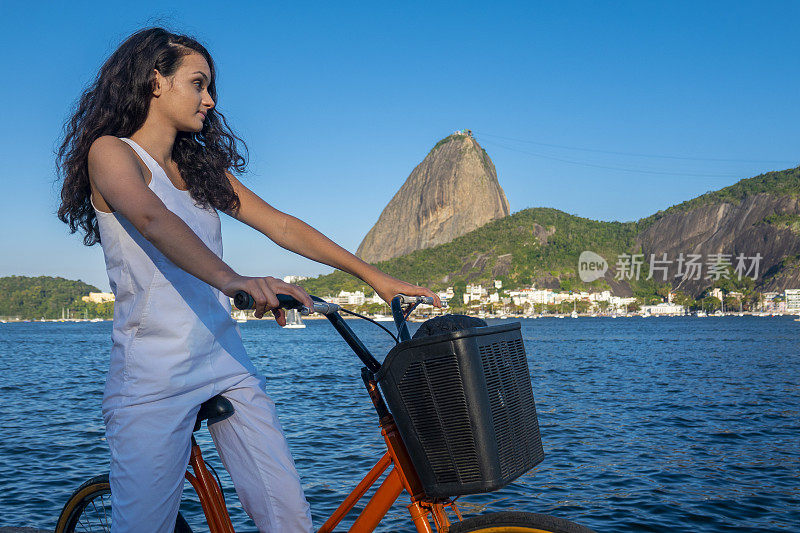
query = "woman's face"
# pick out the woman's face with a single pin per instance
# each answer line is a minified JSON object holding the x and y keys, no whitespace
{"x":183,"y":100}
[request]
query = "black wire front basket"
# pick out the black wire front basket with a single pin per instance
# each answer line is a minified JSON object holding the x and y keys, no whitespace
{"x":464,"y":407}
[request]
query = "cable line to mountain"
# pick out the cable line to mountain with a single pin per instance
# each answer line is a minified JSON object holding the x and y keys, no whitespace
{"x":633,"y":154}
{"x":622,"y":169}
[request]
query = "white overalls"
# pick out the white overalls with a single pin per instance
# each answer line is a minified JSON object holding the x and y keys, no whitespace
{"x":175,"y":345}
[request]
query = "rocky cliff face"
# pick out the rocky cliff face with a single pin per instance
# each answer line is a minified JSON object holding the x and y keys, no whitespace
{"x":763,"y":223}
{"x":453,"y":191}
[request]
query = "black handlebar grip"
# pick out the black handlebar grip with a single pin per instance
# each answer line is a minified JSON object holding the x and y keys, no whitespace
{"x":288,"y":302}
{"x":244,"y":301}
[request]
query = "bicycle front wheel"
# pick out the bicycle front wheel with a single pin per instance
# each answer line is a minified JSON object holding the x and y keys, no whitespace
{"x":89,"y":509}
{"x":516,"y":522}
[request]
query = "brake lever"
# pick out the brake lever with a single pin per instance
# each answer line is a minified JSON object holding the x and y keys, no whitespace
{"x":323,"y":308}
{"x":411,"y":300}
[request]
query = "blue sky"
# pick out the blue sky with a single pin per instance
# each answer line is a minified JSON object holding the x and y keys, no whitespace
{"x":607,"y":110}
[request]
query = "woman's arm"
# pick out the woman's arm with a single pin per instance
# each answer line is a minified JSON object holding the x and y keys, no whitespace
{"x":115,"y":174}
{"x":295,"y":235}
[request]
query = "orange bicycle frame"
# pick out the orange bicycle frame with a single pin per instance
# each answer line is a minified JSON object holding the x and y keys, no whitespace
{"x":209,"y":492}
{"x":402,"y":476}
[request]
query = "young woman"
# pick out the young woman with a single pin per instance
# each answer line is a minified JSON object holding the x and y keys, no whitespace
{"x":146,"y":162}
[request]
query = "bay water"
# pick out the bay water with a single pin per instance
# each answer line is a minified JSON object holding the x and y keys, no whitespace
{"x":657,"y":424}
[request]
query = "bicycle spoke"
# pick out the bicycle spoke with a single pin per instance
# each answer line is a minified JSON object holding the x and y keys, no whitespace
{"x":80,"y":523}
{"x":105,"y":516}
{"x":90,"y":529}
{"x":98,"y":515}
{"x":90,"y":519}
{"x":95,"y":508}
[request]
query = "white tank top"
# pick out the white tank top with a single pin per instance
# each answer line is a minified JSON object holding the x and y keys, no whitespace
{"x":172,"y":332}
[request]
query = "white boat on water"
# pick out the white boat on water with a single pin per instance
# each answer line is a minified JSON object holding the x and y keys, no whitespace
{"x":240,"y":316}
{"x":293,"y":320}
{"x":382,"y":318}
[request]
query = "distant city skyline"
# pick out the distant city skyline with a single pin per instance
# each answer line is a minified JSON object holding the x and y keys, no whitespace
{"x":607,"y":112}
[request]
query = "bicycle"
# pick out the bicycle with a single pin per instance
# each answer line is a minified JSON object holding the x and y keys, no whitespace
{"x":89,"y":505}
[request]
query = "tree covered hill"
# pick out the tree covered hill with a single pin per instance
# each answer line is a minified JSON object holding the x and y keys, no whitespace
{"x":44,"y":297}
{"x":539,"y":245}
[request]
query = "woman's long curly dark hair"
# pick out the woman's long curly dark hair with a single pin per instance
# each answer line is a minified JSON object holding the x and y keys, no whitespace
{"x":117,"y":103}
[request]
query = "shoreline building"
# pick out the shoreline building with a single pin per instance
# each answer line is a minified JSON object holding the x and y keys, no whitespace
{"x":348,"y":298}
{"x":98,"y":297}
{"x":474,"y":293}
{"x":792,"y":297}
{"x":664,"y":309}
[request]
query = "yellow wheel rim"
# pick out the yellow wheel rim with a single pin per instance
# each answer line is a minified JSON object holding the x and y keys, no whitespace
{"x":511,"y":529}
{"x":77,"y":498}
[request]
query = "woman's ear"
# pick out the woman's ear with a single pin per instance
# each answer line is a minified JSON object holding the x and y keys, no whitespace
{"x":158,"y":83}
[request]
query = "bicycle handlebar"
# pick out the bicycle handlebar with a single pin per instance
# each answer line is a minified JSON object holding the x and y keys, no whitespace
{"x":244,"y":301}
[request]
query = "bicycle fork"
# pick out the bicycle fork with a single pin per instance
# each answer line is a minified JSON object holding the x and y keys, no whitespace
{"x":402,"y":476}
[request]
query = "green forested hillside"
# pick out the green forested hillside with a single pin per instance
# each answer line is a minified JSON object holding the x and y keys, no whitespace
{"x":537,"y":245}
{"x":44,"y":297}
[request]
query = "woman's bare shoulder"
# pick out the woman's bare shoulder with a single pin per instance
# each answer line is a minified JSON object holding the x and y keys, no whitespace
{"x":108,"y":147}
{"x":109,"y":154}
{"x":112,"y":165}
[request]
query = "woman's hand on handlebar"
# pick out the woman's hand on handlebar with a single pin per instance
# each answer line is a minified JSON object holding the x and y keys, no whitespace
{"x":263,"y":291}
{"x":388,"y":287}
